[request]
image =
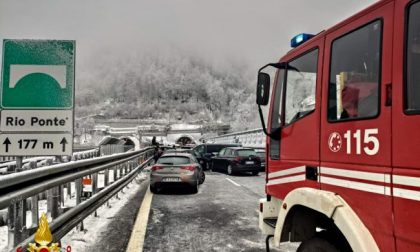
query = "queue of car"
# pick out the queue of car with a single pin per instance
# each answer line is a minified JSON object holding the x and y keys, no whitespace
{"x":185,"y":166}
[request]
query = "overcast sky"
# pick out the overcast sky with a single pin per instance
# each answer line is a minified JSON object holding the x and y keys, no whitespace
{"x":255,"y":31}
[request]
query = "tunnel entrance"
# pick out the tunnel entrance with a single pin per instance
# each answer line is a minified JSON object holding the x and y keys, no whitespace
{"x":128,"y":141}
{"x":184,"y":140}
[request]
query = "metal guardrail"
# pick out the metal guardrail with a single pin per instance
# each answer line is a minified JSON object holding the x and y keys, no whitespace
{"x":18,"y":188}
{"x":250,"y":138}
{"x":34,"y":162}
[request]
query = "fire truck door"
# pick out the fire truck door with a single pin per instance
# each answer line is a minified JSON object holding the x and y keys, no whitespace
{"x":406,"y":125}
{"x":294,"y":160}
{"x":356,"y":121}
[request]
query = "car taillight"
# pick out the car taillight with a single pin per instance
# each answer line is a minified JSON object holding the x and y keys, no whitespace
{"x":237,"y":159}
{"x":189,"y":167}
{"x":155,"y":168}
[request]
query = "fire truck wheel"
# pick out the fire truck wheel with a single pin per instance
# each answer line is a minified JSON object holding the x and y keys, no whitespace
{"x":229,"y":170}
{"x":317,"y":244}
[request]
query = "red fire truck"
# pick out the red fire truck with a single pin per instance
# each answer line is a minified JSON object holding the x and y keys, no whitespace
{"x":343,"y":145}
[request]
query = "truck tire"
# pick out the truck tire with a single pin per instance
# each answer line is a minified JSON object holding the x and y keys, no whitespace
{"x":317,"y":244}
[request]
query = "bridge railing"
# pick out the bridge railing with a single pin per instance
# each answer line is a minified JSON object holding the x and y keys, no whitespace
{"x":21,"y":191}
{"x":251,"y":138}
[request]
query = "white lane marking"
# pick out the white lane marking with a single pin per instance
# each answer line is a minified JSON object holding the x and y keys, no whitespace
{"x":373,"y":176}
{"x":139,"y":230}
{"x":406,"y":180}
{"x":286,"y":172}
{"x":406,"y":194}
{"x":287,"y":180}
{"x":385,"y":190}
{"x":233,"y":182}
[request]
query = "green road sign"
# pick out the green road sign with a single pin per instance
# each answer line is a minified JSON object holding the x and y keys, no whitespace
{"x":37,"y":74}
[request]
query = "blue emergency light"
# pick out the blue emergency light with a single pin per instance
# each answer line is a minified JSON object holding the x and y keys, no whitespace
{"x":300,"y":39}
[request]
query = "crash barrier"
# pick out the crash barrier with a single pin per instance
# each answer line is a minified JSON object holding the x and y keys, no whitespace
{"x":109,"y":149}
{"x":250,"y":138}
{"x":20,"y":192}
{"x":35,"y":162}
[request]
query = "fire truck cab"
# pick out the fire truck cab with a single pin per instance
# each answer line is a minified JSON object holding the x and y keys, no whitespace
{"x":343,"y":145}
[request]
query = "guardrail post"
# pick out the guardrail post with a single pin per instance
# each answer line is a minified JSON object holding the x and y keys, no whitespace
{"x":52,"y":202}
{"x":114,"y":171}
{"x":19,"y":222}
{"x":95,"y":187}
{"x":122,"y":167}
{"x":106,"y":182}
{"x":24,"y":207}
{"x":16,"y":215}
{"x":106,"y":177}
{"x":11,"y":226}
{"x":69,"y":190}
{"x":79,"y":189}
{"x":34,"y":211}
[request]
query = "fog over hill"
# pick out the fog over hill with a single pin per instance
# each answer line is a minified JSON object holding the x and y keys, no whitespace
{"x":172,"y":86}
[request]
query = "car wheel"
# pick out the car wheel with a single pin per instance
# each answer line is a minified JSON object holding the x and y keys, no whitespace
{"x":194,"y":188}
{"x":317,"y":244}
{"x":202,"y":177}
{"x":255,"y":173}
{"x":229,"y":170}
{"x":212,"y":167}
{"x":153,"y":189}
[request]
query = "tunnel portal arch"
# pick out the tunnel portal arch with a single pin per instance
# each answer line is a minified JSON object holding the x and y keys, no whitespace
{"x":185,"y":139}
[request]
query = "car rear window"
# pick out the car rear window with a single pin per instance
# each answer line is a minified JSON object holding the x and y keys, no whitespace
{"x":261,"y":154}
{"x":246,"y":153}
{"x":214,"y":148}
{"x":173,"y":160}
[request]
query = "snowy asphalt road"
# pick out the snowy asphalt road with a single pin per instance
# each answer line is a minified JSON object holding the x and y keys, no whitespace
{"x":222,"y":216}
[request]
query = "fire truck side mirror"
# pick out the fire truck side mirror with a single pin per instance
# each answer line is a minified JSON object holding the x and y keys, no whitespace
{"x":263,"y":88}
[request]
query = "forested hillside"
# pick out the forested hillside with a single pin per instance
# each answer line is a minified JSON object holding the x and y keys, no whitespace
{"x":176,"y":88}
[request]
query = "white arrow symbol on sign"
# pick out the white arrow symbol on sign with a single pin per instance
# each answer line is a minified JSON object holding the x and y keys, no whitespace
{"x":17,"y":72}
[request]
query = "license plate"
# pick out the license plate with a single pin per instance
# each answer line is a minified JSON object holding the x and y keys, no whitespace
{"x":171,"y":179}
{"x":249,"y":162}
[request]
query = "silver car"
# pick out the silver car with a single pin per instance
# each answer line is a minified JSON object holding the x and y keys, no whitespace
{"x":176,"y":168}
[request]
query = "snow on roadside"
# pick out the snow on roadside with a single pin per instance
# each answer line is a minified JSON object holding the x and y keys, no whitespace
{"x":78,"y":240}
{"x":81,"y":241}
